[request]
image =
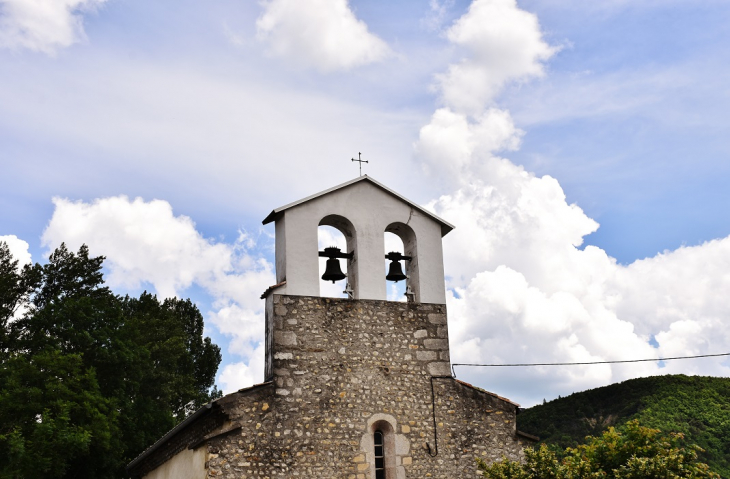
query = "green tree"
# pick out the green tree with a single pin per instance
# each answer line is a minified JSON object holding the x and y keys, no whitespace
{"x":634,"y":452}
{"x":16,"y":286}
{"x":89,"y":379}
{"x":53,"y":413}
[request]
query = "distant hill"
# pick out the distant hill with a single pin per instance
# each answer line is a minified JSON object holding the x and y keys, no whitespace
{"x":697,"y":406}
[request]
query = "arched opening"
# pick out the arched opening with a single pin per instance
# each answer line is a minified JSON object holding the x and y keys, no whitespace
{"x":337,"y":231}
{"x":379,"y":449}
{"x":383,"y":465}
{"x":395,"y":291}
{"x":402,"y":236}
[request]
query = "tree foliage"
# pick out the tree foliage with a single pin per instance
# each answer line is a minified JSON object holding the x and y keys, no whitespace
{"x":635,"y":452}
{"x":696,"y":406}
{"x":88,"y":379}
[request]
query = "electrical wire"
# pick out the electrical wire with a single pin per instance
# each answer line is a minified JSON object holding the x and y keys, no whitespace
{"x":585,"y":363}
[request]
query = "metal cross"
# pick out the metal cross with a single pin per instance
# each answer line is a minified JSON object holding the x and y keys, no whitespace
{"x":359,"y":159}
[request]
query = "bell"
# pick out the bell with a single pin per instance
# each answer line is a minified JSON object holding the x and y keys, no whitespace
{"x":395,"y":271}
{"x":333,"y":272}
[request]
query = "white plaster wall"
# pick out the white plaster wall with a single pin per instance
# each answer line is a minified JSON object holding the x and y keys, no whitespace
{"x":187,"y":464}
{"x":370,"y":210}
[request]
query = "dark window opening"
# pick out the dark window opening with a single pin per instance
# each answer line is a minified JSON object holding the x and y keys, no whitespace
{"x":379,"y":455}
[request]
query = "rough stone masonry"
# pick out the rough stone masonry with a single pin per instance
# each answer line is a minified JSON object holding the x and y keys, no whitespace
{"x":339,"y":370}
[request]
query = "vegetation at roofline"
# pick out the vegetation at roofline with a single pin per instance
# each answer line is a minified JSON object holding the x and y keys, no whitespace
{"x":633,"y":452}
{"x":695,"y":406}
{"x":89,"y":379}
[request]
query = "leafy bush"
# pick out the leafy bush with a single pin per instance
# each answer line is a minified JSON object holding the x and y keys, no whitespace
{"x":635,"y":452}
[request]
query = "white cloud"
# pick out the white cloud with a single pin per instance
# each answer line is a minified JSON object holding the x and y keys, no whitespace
{"x":523,"y":291}
{"x":18,"y":248}
{"x":43,"y":25}
{"x":521,"y":288}
{"x":238,"y":375}
{"x":145,"y":243}
{"x":452,"y":147}
{"x":324,"y":34}
{"x":505,"y":44}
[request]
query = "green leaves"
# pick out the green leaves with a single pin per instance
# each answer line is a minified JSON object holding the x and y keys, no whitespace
{"x":634,"y":452}
{"x":52,"y":410}
{"x":698,"y":407}
{"x":88,"y":379}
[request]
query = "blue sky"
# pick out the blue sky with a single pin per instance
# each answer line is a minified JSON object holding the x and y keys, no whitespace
{"x":573,"y":115}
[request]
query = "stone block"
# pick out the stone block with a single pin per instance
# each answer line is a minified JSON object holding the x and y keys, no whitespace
{"x":285,"y":338}
{"x":421,"y":333}
{"x":436,"y":344}
{"x":439,"y":369}
{"x":436,"y":318}
{"x":426,"y":355}
{"x":402,"y":444}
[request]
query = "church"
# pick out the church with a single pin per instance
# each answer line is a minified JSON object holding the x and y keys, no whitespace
{"x":356,"y":387}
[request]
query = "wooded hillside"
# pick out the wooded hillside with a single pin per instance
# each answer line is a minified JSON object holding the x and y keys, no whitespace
{"x":697,"y":406}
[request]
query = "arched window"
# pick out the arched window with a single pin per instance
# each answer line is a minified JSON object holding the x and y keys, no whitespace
{"x":404,"y":238}
{"x":337,"y":231}
{"x":379,"y":444}
{"x":395,"y":291}
{"x":329,"y":236}
{"x":382,"y":455}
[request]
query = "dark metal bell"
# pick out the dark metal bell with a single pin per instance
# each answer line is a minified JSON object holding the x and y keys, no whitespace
{"x":395,"y":271}
{"x":333,"y":272}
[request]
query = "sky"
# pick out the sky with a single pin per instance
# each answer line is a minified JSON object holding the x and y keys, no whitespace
{"x":578,"y":147}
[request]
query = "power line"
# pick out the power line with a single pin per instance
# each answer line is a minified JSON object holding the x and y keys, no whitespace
{"x":585,"y":363}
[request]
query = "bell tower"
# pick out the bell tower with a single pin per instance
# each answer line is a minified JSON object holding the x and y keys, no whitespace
{"x":362,"y":210}
{"x":356,"y":387}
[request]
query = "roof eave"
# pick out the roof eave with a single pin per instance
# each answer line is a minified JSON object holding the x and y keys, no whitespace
{"x":446,"y":227}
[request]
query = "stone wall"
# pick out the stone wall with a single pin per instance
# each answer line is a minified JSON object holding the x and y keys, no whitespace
{"x":341,"y":369}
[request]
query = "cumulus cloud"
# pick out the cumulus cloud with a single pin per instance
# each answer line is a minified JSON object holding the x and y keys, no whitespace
{"x":145,"y":243}
{"x":18,"y":248}
{"x":240,"y":374}
{"x":324,"y":34}
{"x":525,"y":292}
{"x":522,"y":287}
{"x":43,"y":25}
{"x":453,"y":147}
{"x":504,"y":44}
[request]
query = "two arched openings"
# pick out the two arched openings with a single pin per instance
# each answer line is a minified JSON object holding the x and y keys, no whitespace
{"x":334,"y":230}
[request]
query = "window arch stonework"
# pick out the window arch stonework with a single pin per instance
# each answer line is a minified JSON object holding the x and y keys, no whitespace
{"x":395,"y":448}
